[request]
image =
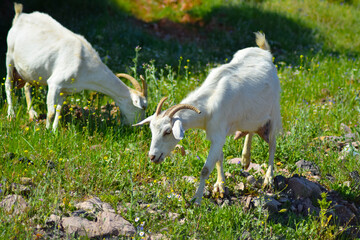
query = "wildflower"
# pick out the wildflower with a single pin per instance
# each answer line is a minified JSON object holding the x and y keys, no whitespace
{"x":137,"y":219}
{"x":155,"y":181}
{"x":65,"y":102}
{"x":188,"y":60}
{"x":27,"y":129}
{"x":185,"y":67}
{"x":301,"y":56}
{"x":60,"y":117}
{"x":40,"y":78}
{"x":61,"y":94}
{"x":41,"y":199}
{"x":26,"y":151}
{"x":142,"y":224}
{"x":141,"y":234}
{"x":105,"y":157}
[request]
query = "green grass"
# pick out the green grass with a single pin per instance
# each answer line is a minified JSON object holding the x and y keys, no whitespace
{"x":317,"y":54}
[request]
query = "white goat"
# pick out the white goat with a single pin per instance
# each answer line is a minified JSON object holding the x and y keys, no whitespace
{"x":242,"y":95}
{"x":43,"y":52}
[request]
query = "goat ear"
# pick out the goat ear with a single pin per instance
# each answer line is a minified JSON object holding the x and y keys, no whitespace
{"x":178,"y":130}
{"x":145,"y":121}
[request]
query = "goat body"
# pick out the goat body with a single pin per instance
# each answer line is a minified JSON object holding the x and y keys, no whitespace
{"x":242,"y":95}
{"x":43,"y":52}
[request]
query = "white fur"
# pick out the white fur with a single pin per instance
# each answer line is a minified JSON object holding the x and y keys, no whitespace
{"x":43,"y":52}
{"x":242,"y":95}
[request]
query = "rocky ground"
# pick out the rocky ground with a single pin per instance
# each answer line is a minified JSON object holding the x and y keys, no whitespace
{"x":292,"y":194}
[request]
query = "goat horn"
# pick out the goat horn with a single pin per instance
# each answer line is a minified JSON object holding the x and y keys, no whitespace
{"x":131,"y":79}
{"x":170,"y":112}
{"x":144,"y":86}
{"x":158,"y":108}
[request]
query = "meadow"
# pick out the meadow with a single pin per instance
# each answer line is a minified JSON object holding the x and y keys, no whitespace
{"x":174,"y":45}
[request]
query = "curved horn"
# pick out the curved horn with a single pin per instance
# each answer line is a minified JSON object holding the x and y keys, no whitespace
{"x":131,"y":79}
{"x":144,"y":86}
{"x":158,"y":108}
{"x":178,"y":107}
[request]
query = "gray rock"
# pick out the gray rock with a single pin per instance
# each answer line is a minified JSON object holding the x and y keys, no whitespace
{"x":304,"y":188}
{"x":14,"y":204}
{"x":344,"y":215}
{"x":189,"y":179}
{"x":95,"y":204}
{"x":53,"y":220}
{"x":20,"y":189}
{"x":26,"y":181}
{"x":107,"y":224}
{"x":280,"y":182}
{"x":309,"y":208}
{"x":308,"y":166}
{"x":251,"y":180}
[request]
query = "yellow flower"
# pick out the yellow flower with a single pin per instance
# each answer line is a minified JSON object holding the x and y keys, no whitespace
{"x":70,"y":109}
{"x":26,"y":151}
{"x":65,"y":102}
{"x":301,"y":56}
{"x":61,"y":94}
{"x":37,"y":129}
{"x":105,"y":157}
{"x":188,"y":60}
{"x":154,"y":181}
{"x":60,"y":117}
{"x":27,"y":129}
{"x":40,"y":78}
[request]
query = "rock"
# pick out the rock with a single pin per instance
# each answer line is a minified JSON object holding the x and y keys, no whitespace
{"x":330,"y":178}
{"x":107,"y":224}
{"x":234,"y":161}
{"x":355,"y":177}
{"x":189,"y":179}
{"x":95,"y":205}
{"x":53,"y":221}
{"x":280,"y":182}
{"x":9,"y":156}
{"x":246,"y":236}
{"x":240,"y":187}
{"x":304,"y":188}
{"x":251,"y":180}
{"x":15,"y":204}
{"x":26,"y":181}
{"x":308,"y":166}
{"x":20,"y":189}
{"x":345,"y":128}
{"x":309,"y":207}
{"x":157,"y":236}
{"x":344,"y":215}
{"x":267,"y":203}
{"x":173,"y":216}
{"x":113,"y":224}
{"x":256,"y":167}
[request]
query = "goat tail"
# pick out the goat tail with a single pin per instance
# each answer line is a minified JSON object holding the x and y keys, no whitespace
{"x":261,"y":41}
{"x":18,"y":7}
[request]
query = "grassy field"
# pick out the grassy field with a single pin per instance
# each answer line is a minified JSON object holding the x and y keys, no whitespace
{"x":174,"y":44}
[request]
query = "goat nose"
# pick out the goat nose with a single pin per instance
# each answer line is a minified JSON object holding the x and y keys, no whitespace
{"x":152,"y":157}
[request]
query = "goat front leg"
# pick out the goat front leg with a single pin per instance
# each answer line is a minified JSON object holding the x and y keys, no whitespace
{"x":54,"y":101}
{"x":219,"y":186}
{"x":32,"y":113}
{"x":9,"y":87}
{"x":269,"y":176}
{"x":214,"y":155}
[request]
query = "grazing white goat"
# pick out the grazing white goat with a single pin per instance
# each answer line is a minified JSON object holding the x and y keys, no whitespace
{"x":242,"y":95}
{"x":43,"y":52}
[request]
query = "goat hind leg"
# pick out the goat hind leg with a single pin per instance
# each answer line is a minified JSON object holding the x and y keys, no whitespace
{"x":32,"y":113}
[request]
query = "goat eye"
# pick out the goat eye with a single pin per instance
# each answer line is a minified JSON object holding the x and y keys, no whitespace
{"x":167,"y":132}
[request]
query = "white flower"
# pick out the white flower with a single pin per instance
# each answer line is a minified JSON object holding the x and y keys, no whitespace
{"x":142,"y":224}
{"x":141,"y":234}
{"x":137,"y":219}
